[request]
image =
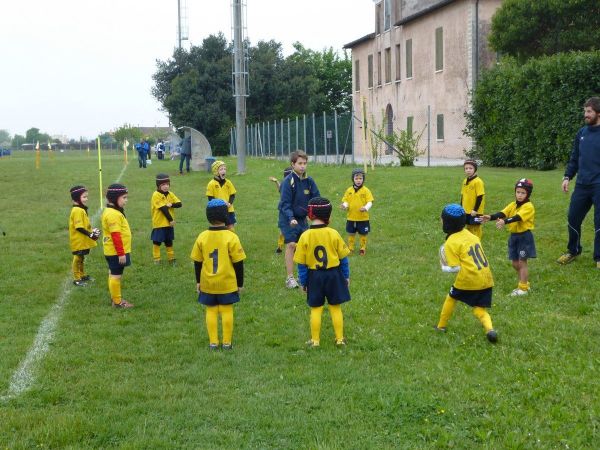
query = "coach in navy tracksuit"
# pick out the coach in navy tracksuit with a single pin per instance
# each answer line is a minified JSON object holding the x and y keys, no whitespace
{"x":585,"y":163}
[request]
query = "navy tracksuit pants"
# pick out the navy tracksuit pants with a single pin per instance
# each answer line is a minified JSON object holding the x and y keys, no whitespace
{"x":582,"y":199}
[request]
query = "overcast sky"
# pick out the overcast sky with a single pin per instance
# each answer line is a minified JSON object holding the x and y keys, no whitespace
{"x":82,"y":67}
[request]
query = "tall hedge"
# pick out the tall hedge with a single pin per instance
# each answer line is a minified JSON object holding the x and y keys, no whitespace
{"x":527,"y":115}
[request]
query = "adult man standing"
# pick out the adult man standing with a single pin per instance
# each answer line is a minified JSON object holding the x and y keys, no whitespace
{"x":186,"y":154}
{"x":585,"y":163}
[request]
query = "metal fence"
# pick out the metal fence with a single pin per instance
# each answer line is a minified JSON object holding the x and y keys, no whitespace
{"x":327,"y":137}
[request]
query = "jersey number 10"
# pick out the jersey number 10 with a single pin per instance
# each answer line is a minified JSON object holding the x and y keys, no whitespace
{"x":478,"y":256}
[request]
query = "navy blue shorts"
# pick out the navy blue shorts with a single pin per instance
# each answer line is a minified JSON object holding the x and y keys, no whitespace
{"x":218,"y":299}
{"x":114,"y":266}
{"x":292,"y":234}
{"x":481,"y":297}
{"x":329,"y":284}
{"x":231,"y":220}
{"x":358,"y":226}
{"x":82,"y":252}
{"x":164,"y":234}
{"x":521,"y":246}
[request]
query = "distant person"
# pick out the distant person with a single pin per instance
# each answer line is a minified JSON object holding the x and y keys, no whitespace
{"x":585,"y":163}
{"x":280,"y":239}
{"x":519,"y":217}
{"x":82,"y":236}
{"x":358,"y":200}
{"x":186,"y":154}
{"x":160,"y":150}
{"x":472,"y":197}
{"x":463,"y":254}
{"x":142,"y":155}
{"x":221,"y":187}
{"x":323,"y":270}
{"x":147,"y":149}
{"x":162,"y":206}
{"x":296,"y":191}
{"x":117,"y":241}
{"x":219,"y":267}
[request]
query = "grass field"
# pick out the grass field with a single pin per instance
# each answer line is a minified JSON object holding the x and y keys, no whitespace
{"x":144,"y":378}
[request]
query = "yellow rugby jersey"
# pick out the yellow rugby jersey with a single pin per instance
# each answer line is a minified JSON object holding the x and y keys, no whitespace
{"x":527,"y":213}
{"x":79,"y":219}
{"x":217,"y":249}
{"x":214,"y":189}
{"x":356,"y":200}
{"x":320,"y":247}
{"x":464,"y":249}
{"x":114,"y":220}
{"x":158,"y":201}
{"x":469,"y":193}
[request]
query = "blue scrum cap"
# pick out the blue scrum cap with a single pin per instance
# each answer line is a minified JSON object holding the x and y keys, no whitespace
{"x":217,"y":211}
{"x":454,"y":218}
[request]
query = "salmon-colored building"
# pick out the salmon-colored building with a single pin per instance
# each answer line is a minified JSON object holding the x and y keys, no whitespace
{"x":420,"y":66}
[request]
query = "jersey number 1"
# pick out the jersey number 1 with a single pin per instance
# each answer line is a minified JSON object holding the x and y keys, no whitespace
{"x":215,"y":257}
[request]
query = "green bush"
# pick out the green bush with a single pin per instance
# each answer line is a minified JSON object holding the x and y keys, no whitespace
{"x":527,"y":115}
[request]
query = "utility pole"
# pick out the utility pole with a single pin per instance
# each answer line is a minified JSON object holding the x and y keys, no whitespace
{"x":240,"y":80}
{"x":182,"y":29}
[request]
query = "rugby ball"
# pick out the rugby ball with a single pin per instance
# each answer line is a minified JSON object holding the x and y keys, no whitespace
{"x":443,"y":260}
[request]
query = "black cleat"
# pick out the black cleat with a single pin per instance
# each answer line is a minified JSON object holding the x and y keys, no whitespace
{"x":492,"y":336}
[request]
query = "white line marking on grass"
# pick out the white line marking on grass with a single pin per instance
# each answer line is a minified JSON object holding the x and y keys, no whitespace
{"x":24,"y":376}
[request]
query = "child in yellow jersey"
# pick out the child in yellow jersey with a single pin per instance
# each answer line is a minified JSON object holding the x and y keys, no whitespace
{"x":219,"y":265}
{"x":357,"y":201}
{"x":472,"y":199}
{"x":323,"y":270}
{"x":162,"y":207}
{"x":82,"y":236}
{"x":117,"y":241}
{"x":519,"y":216}
{"x":280,"y":239}
{"x":220,"y":187}
{"x":462,"y":254}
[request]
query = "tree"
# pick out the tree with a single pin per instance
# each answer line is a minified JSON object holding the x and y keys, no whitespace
{"x":17,"y":141}
{"x":532,"y":28}
{"x":33,"y":135}
{"x":4,"y":138}
{"x":129,"y":133}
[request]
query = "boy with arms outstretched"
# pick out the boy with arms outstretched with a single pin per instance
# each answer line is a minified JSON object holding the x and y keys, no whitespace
{"x":219,"y":267}
{"x":323,"y":270}
{"x":462,"y":254}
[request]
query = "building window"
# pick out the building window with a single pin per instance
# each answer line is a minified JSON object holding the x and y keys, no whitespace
{"x":357,"y":75}
{"x":370,"y":67}
{"x":409,"y":58}
{"x":378,"y":18}
{"x":440,"y":127}
{"x":378,"y":68}
{"x":388,"y":65}
{"x":387,"y":15}
{"x":398,"y":60}
{"x":439,"y":49}
{"x":409,"y":125}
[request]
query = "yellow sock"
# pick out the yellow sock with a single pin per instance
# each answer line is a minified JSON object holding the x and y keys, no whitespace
{"x":523,"y":286}
{"x":337,"y":318}
{"x":226,"y":312}
{"x":156,"y":252}
{"x":363,"y":242}
{"x":447,"y":310}
{"x":315,"y":323}
{"x":114,"y":287}
{"x":280,"y":241}
{"x":351,"y":239}
{"x":170,"y":253}
{"x":212,"y":319}
{"x":483,"y":317}
{"x":76,"y":267}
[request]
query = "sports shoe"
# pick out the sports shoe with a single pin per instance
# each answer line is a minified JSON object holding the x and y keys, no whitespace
{"x":213,"y":347}
{"x":172,"y":262}
{"x":278,"y":250}
{"x":291,"y":283}
{"x":79,"y":283}
{"x":566,"y":258}
{"x":227,"y":347}
{"x":362,"y":252}
{"x":87,"y":278}
{"x":597,"y":264}
{"x":124,"y":304}
{"x":492,"y":336}
{"x":340,"y":342}
{"x":157,"y":262}
{"x":440,"y":329}
{"x":518,"y":292}
{"x":312,"y":344}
